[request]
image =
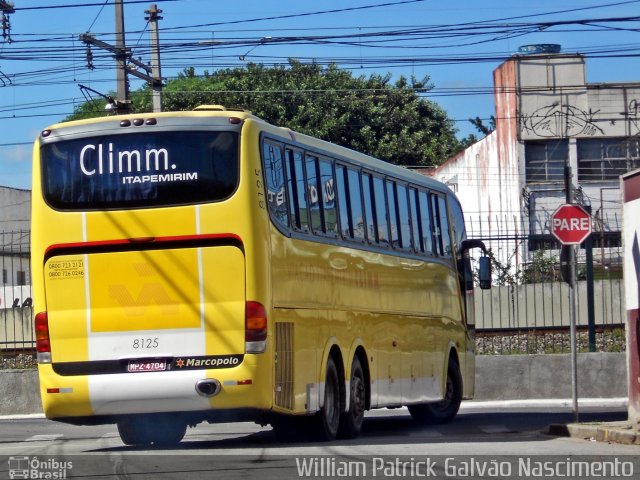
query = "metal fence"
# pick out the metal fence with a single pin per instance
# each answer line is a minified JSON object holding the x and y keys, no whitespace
{"x":17,"y":340}
{"x":527,"y":310}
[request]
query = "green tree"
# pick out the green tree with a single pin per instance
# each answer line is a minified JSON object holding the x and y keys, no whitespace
{"x":373,"y":115}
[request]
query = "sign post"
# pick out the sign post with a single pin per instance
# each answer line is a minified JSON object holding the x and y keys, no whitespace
{"x":571,"y":225}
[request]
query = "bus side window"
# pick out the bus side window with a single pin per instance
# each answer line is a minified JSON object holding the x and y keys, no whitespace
{"x":314,"y":199}
{"x":327,"y":185}
{"x":440,"y":225}
{"x":459,"y":231}
{"x":426,"y":224}
{"x":444,"y":222}
{"x":403,"y":217}
{"x":416,"y":229}
{"x":393,"y":214}
{"x":380,"y":210}
{"x":355,"y":205}
{"x":367,"y":195}
{"x":346,"y":229}
{"x":292,"y":189}
{"x":303,"y":208}
{"x":274,"y":176}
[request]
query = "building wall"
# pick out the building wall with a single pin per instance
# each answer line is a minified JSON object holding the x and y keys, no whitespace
{"x":487,"y":176}
{"x":547,"y":115}
{"x":15,"y":209}
{"x":15,"y":221}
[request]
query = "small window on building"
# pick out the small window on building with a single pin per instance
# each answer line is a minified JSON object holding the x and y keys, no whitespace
{"x":545,"y":161}
{"x":606,"y":158}
{"x":5,"y":276}
{"x":21,"y":277}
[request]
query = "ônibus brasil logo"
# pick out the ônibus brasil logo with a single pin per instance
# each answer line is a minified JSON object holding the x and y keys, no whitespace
{"x":33,"y":467}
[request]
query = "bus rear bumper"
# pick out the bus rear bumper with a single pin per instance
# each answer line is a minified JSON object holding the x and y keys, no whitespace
{"x":150,"y":392}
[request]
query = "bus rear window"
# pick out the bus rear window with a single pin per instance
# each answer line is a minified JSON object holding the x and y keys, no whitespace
{"x":140,"y":170}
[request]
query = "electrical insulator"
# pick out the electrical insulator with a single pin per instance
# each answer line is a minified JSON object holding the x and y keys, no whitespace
{"x":90,"y":59}
{"x":6,"y":26}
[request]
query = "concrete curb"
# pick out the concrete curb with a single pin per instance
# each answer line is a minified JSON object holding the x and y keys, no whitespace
{"x":616,"y":432}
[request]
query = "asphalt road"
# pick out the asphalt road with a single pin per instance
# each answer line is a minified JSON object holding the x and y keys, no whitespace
{"x":391,"y":446}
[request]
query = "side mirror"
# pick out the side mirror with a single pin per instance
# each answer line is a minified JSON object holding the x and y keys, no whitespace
{"x":484,"y":273}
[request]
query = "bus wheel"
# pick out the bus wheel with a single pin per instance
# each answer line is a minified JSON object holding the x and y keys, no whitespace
{"x":134,"y":431}
{"x":445,"y":410}
{"x":351,"y":421}
{"x":161,"y":431}
{"x":328,"y":418}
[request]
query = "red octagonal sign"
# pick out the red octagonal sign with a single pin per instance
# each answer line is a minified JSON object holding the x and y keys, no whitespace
{"x":571,"y":224}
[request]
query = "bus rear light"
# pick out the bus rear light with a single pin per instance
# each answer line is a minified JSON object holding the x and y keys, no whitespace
{"x":255,"y":328}
{"x":43,"y":344}
{"x":60,"y":390}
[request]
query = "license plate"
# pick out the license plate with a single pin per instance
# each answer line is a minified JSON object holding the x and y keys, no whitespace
{"x":147,"y":366}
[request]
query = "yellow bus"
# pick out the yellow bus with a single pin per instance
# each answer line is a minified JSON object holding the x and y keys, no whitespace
{"x":208,"y":266}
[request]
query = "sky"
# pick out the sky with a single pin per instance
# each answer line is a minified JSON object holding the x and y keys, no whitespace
{"x":457,"y":44}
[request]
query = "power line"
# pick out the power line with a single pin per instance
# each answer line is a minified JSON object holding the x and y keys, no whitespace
{"x":81,"y":5}
{"x":98,"y":15}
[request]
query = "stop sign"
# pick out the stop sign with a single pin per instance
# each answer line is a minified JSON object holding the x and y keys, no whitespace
{"x":570,"y":224}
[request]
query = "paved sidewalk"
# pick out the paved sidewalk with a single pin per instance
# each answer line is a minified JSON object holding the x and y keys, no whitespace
{"x":626,"y":433}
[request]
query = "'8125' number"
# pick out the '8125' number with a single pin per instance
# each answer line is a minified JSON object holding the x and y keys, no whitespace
{"x":145,"y":343}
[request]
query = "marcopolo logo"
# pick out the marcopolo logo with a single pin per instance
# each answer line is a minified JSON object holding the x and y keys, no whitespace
{"x":34,"y":467}
{"x":213,"y":361}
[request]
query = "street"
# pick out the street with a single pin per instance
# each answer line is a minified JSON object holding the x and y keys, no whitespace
{"x":246,"y":450}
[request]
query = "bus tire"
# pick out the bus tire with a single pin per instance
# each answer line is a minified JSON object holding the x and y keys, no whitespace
{"x":161,"y":431}
{"x":351,"y":420}
{"x":327,"y":420}
{"x":134,"y":432}
{"x":445,"y":410}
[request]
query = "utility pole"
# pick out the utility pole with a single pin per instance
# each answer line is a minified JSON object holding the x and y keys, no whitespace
{"x":124,"y":59}
{"x":568,"y":185}
{"x":122,"y":96}
{"x":153,"y":15}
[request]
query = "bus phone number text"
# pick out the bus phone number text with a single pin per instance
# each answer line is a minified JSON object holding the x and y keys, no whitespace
{"x":66,"y":269}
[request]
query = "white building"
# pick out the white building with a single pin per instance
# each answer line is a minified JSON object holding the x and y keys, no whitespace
{"x":15,"y":220}
{"x":547,"y":116}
